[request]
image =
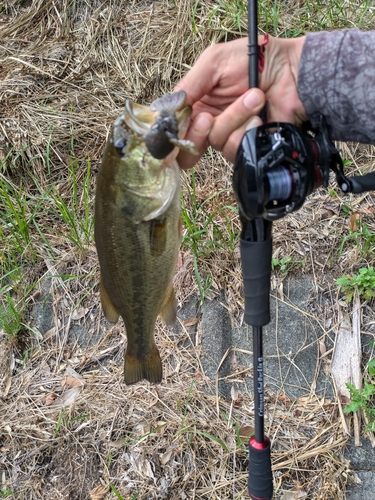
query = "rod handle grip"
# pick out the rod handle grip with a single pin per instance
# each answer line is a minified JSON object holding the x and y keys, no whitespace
{"x":256,"y":259}
{"x":260,"y":484}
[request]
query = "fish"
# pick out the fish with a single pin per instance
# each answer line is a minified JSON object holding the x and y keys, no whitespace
{"x":137,"y":224}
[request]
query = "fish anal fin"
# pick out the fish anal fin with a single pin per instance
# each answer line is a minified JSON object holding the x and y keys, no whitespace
{"x":168,"y":310}
{"x":149,"y":368}
{"x":108,"y":308}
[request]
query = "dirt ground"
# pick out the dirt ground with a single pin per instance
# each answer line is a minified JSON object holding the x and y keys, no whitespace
{"x":70,"y":428}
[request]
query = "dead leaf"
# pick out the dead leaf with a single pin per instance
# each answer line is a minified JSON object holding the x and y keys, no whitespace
{"x":322,"y":348}
{"x":344,"y":399}
{"x":84,"y":360}
{"x":191,"y":321}
{"x":142,"y":428}
{"x":50,"y":333}
{"x":284,"y":398}
{"x":50,"y":398}
{"x":79,"y":313}
{"x":71,"y":382}
{"x":354,"y":223}
{"x":160,"y":426}
{"x":294,"y":495}
{"x":233,"y":393}
{"x":246,"y":431}
{"x":68,"y":397}
{"x":165,"y":457}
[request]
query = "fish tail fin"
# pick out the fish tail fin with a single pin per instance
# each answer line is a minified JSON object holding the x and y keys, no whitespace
{"x":148,"y":367}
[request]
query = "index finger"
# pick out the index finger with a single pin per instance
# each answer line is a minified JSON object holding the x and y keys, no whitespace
{"x":202,"y":77}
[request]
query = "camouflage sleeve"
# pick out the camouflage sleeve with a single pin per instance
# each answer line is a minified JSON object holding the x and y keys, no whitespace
{"x":336,"y":78}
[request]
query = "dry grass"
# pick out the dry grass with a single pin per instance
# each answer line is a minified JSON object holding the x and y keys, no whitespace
{"x":66,"y":68}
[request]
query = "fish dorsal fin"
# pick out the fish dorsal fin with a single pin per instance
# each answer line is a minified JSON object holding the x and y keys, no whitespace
{"x":168,"y":310}
{"x":108,"y":308}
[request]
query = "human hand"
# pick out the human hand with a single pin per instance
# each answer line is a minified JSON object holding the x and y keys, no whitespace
{"x":224,"y":107}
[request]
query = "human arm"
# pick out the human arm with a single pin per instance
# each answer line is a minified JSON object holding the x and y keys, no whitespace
{"x":336,"y":78}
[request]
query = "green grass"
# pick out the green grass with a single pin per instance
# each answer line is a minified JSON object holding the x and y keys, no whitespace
{"x":10,"y":318}
{"x":40,"y":222}
{"x":76,"y":210}
{"x":285,"y":265}
{"x":287,"y":18}
{"x":208,"y":228}
{"x":363,"y":238}
{"x":4,"y":493}
{"x":134,"y":497}
{"x":64,"y":423}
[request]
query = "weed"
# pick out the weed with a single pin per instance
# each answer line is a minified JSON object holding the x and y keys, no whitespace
{"x":336,"y":14}
{"x":5,"y":493}
{"x":10,"y":318}
{"x":362,"y":400}
{"x":14,"y":215}
{"x":364,"y":281}
{"x":371,"y":367}
{"x":193,"y":17}
{"x":364,"y":238}
{"x":346,"y":211}
{"x":284,"y":265}
{"x":65,"y":422}
{"x":59,"y":423}
{"x":134,"y":497}
{"x":77,"y":212}
{"x":190,"y":430}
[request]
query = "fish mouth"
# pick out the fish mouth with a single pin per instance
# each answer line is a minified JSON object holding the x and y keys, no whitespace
{"x":163,"y":124}
{"x":139,"y":118}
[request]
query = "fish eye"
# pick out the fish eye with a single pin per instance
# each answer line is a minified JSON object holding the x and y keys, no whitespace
{"x":120,"y":145}
{"x":120,"y":136}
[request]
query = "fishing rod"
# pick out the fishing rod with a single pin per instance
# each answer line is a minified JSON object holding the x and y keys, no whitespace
{"x":277,"y":166}
{"x":256,"y":254}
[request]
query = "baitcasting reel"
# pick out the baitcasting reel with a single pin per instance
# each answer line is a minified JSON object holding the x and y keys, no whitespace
{"x":278,"y":165}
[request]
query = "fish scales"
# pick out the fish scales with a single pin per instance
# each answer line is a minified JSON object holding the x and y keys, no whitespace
{"x":138,"y":227}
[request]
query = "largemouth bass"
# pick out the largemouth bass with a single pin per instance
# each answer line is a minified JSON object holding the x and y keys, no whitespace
{"x":138,"y":225}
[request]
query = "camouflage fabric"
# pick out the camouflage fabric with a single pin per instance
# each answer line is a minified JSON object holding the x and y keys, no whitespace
{"x":337,"y":79}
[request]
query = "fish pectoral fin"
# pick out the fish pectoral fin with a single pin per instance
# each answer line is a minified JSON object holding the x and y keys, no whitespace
{"x":149,"y":368}
{"x":168,"y":310}
{"x":108,"y":308}
{"x":158,"y":236}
